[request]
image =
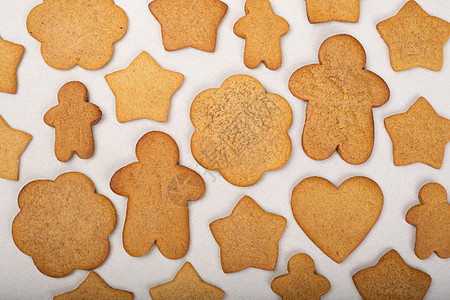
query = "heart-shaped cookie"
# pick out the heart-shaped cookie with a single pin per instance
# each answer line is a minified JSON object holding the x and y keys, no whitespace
{"x":337,"y":220}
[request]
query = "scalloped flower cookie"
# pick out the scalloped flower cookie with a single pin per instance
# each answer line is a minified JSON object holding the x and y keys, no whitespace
{"x":78,"y":32}
{"x":240,"y":130}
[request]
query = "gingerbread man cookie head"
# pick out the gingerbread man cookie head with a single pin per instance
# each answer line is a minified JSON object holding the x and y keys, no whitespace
{"x":258,"y":5}
{"x":344,"y":51}
{"x":433,"y":193}
{"x":154,"y":145}
{"x":73,"y":91}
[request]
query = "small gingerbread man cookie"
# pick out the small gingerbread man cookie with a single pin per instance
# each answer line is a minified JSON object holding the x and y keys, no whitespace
{"x":73,"y":118}
{"x":432,"y":220}
{"x":262,"y":30}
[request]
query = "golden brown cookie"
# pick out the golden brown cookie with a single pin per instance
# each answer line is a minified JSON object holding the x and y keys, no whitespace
{"x":262,"y":30}
{"x":158,"y":191}
{"x":240,"y":130}
{"x":414,"y":38}
{"x":11,"y":56}
{"x":80,"y":32}
{"x":186,"y":285}
{"x":320,"y":11}
{"x":432,"y":220}
{"x":337,"y":220}
{"x":63,"y":224}
{"x":248,"y":237}
{"x":391,"y":278}
{"x":301,"y":282}
{"x":340,"y":95}
{"x":143,"y":90}
{"x":73,"y":118}
{"x":188,"y":23}
{"x":12,"y":143}
{"x":418,"y":135}
{"x":94,"y":288}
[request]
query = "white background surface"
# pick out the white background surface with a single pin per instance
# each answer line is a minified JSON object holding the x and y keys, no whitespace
{"x":115,"y":146}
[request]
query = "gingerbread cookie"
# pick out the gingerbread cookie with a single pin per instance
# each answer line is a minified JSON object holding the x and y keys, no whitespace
{"x":12,"y":143}
{"x":320,"y":11}
{"x":63,"y":224}
{"x":187,"y":23}
{"x":418,"y":135}
{"x":78,"y":32}
{"x":337,"y":220}
{"x":186,"y":285}
{"x":158,"y":191}
{"x":73,"y":118}
{"x":248,"y":237}
{"x":301,"y":282}
{"x":262,"y":30}
{"x":432,"y":220}
{"x":391,"y":278}
{"x":11,"y":56}
{"x":143,"y":90}
{"x":92,"y":288}
{"x":340,"y":95}
{"x":414,"y":38}
{"x":240,"y":130}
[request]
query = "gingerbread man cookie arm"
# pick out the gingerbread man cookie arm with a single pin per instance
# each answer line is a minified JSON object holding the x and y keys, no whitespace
{"x":379,"y":90}
{"x":123,"y":180}
{"x":413,"y":215}
{"x":50,"y":116}
{"x":302,"y":82}
{"x":94,"y":112}
{"x":187,"y":183}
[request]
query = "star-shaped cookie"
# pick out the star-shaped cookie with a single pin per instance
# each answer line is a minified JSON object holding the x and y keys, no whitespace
{"x":320,"y":11}
{"x":12,"y":144}
{"x":11,"y":55}
{"x":143,"y":90}
{"x":248,"y":237}
{"x":419,"y":135}
{"x":414,"y":38}
{"x":391,"y":278}
{"x":93,"y":287}
{"x":186,"y":285}
{"x":188,"y":23}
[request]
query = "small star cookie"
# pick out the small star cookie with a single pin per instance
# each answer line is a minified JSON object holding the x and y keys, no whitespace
{"x":391,"y":278}
{"x":418,"y":135}
{"x":143,"y":90}
{"x":432,"y":220}
{"x":11,"y":55}
{"x":414,"y":38}
{"x":320,"y":11}
{"x":12,"y":144}
{"x":301,"y":282}
{"x":93,"y":288}
{"x":248,"y":237}
{"x":186,"y":285}
{"x":188,"y":23}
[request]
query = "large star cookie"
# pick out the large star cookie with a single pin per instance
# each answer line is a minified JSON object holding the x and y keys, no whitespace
{"x":11,"y":55}
{"x":414,"y":38}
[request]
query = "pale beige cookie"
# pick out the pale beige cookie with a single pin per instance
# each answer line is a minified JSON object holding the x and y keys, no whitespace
{"x":414,"y":38}
{"x":432,"y":220}
{"x":64,"y":224}
{"x":80,"y":32}
{"x":12,"y":143}
{"x":11,"y":54}
{"x":94,"y":288}
{"x":418,"y":135}
{"x":158,"y":191}
{"x":320,"y":11}
{"x":187,"y":285}
{"x":240,"y":130}
{"x":301,"y":283}
{"x":392,"y":278}
{"x":248,"y":237}
{"x":262,"y":30}
{"x":73,"y":119}
{"x":337,"y":220}
{"x":188,"y":23}
{"x":143,"y":90}
{"x":340,"y":95}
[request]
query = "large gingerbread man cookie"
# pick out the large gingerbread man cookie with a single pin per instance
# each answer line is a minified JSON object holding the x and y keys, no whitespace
{"x":340,"y":95}
{"x":158,"y":189}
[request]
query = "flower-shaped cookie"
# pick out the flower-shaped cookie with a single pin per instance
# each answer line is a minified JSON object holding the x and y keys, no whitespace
{"x":63,"y":224}
{"x":241,"y":130}
{"x":80,"y":32}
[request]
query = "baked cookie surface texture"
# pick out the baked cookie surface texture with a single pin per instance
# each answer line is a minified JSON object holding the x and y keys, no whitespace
{"x":11,"y":54}
{"x":320,"y":11}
